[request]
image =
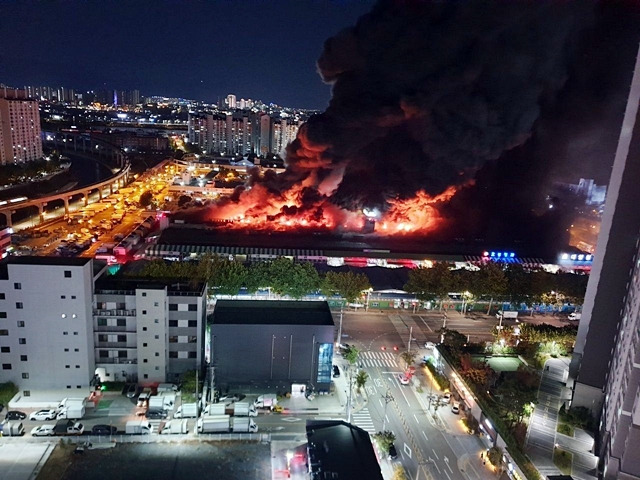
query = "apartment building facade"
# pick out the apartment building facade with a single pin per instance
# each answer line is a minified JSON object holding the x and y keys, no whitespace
{"x":46,"y":334}
{"x":148,"y":332}
{"x":19,"y":128}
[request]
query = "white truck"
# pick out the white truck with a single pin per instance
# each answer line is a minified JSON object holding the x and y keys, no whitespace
{"x":156,"y":402}
{"x":226,"y":423}
{"x":187,"y":410}
{"x":68,"y":400}
{"x":268,"y":400}
{"x":167,"y":387}
{"x":68,"y":427}
{"x":238,"y":409}
{"x":506,"y":314}
{"x":574,"y":317}
{"x":12,"y":429}
{"x":175,"y":427}
{"x":138,"y":427}
{"x":71,"y":408}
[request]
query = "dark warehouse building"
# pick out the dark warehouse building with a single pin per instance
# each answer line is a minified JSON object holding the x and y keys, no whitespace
{"x":272,"y":345}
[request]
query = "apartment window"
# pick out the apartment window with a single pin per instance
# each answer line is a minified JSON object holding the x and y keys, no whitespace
{"x":157,"y":354}
{"x":67,"y":366}
{"x":157,"y":337}
{"x":26,"y":393}
{"x":144,"y":312}
{"x":103,"y":353}
{"x":155,"y":304}
{"x":157,"y":368}
{"x":121,"y":322}
{"x":22,"y":341}
{"x":4,"y":333}
{"x":144,"y":344}
{"x":122,"y":338}
{"x":145,"y":361}
{"x":5,"y":349}
{"x":75,"y":333}
{"x":193,"y":354}
{"x":20,"y":323}
{"x":173,"y":323}
{"x":65,"y":333}
{"x":17,"y":286}
{"x":78,"y":386}
{"x":67,"y":274}
{"x":77,"y":366}
{"x":19,"y":305}
{"x":25,"y":375}
{"x":73,"y":297}
{"x":2,"y":297}
{"x":173,"y":339}
{"x":144,"y":329}
{"x":193,"y":323}
{"x":76,"y":349}
{"x":173,"y":307}
{"x":122,"y":354}
{"x":193,"y":339}
{"x":103,"y":338}
{"x":156,"y":320}
{"x":193,"y":307}
{"x":66,"y":349}
{"x":144,"y":294}
{"x":6,"y":366}
{"x":23,"y":358}
{"x":102,"y":322}
{"x":146,"y":376}
{"x":173,"y":354}
{"x":3,"y":314}
{"x":68,"y":386}
{"x":62,"y":297}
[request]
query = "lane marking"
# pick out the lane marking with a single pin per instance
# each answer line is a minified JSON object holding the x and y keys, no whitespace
{"x":417,"y":421}
{"x":445,"y":472}
{"x":434,"y":452}
{"x":425,"y":436}
{"x":446,"y":462}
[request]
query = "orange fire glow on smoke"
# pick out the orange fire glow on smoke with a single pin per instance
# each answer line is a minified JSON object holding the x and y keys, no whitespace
{"x":260,"y":209}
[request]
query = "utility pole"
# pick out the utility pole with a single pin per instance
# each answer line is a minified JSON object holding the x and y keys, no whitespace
{"x":349,"y":396}
{"x":387,"y":399}
{"x":340,"y":328}
{"x":410,"y":338}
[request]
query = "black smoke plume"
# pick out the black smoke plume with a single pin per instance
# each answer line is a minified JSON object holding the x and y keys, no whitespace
{"x":424,"y":93}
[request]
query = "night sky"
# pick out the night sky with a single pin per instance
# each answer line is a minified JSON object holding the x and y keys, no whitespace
{"x":255,"y":49}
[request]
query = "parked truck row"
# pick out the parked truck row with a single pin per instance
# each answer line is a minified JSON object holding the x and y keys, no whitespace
{"x":225,"y":423}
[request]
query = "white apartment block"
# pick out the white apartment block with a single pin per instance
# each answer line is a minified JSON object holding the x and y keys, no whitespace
{"x":19,"y":128}
{"x":46,"y":333}
{"x":148,"y":332}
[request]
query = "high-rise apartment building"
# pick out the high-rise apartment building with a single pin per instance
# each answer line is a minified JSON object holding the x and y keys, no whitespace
{"x":46,"y":334}
{"x":231,"y":101}
{"x":19,"y":127}
{"x":606,"y":361}
{"x":148,"y":331}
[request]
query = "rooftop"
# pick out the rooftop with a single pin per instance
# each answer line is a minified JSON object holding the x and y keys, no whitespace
{"x":337,"y":447}
{"x":272,"y":312}
{"x":174,"y":286}
{"x":55,"y":261}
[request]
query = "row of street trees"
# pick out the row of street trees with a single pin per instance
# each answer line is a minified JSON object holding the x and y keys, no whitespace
{"x":282,"y":276}
{"x":497,"y":281}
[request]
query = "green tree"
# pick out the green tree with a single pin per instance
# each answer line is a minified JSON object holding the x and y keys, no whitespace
{"x":361,"y":380}
{"x":351,"y":355}
{"x":146,"y":198}
{"x":348,"y":285}
{"x":431,"y":283}
{"x":495,"y":456}
{"x":490,"y":281}
{"x":189,"y":385}
{"x":408,"y":357}
{"x":453,"y":339}
{"x":518,"y":283}
{"x":384,"y":440}
{"x":292,"y":279}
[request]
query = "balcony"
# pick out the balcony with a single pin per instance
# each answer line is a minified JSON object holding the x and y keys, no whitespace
{"x":115,"y":328}
{"x":117,"y":361}
{"x":114,"y":313}
{"x":118,"y":345}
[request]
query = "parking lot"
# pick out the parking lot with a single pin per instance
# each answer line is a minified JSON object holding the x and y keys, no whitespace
{"x":175,"y":461}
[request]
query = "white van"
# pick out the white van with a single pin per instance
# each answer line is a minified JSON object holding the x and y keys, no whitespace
{"x":574,"y":317}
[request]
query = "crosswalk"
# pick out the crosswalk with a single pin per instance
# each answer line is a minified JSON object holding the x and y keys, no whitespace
{"x":378,"y":359}
{"x":362,"y":419}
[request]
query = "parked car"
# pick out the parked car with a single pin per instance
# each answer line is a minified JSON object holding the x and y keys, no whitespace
{"x":393,"y":453}
{"x":155,"y":414}
{"x":429,"y":345}
{"x":43,"y":431}
{"x":104,"y":430}
{"x":43,"y":415}
{"x":404,"y":379}
{"x":15,"y":415}
{"x":446,"y":398}
{"x":336,"y":371}
{"x":455,"y":408}
{"x":132,"y":390}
